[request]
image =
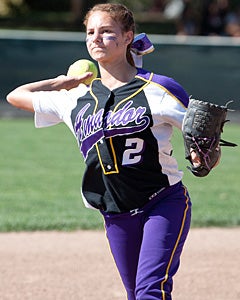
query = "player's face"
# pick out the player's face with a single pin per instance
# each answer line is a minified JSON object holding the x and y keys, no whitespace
{"x":105,"y":40}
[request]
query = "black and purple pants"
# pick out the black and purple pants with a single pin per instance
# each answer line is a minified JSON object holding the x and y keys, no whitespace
{"x":147,"y":243}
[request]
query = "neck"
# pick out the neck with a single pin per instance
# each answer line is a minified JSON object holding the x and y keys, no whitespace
{"x":116,"y":76}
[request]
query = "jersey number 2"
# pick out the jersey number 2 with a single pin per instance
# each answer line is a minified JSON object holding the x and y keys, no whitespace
{"x":133,"y":154}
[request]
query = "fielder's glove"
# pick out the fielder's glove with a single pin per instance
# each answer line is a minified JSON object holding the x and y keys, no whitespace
{"x":202,"y":127}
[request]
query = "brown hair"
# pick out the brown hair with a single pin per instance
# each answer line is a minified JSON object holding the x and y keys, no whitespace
{"x":119,"y":13}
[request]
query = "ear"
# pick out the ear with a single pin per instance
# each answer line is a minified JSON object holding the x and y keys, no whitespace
{"x":129,"y":37}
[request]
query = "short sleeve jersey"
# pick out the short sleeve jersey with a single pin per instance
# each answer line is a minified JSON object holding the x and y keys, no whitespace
{"x":123,"y":135}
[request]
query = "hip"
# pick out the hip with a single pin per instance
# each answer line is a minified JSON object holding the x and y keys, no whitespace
{"x":174,"y":197}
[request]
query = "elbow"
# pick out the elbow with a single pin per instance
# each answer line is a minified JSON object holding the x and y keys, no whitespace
{"x":20,"y":100}
{"x":11,"y":99}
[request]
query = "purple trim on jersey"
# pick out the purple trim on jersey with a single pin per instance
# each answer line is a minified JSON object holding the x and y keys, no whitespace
{"x":127,"y":130}
{"x":89,"y":130}
{"x":170,"y":84}
{"x":91,"y":140}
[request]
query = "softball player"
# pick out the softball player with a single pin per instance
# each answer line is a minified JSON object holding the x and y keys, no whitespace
{"x":123,"y":124}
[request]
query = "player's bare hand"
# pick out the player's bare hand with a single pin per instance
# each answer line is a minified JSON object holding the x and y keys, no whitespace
{"x":196,"y":161}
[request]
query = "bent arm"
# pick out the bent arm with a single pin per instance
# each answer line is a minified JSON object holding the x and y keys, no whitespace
{"x":22,"y":96}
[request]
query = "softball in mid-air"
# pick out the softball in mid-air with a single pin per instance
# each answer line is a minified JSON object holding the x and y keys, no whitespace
{"x":82,"y":66}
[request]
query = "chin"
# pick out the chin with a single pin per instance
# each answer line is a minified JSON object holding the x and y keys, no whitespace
{"x":99,"y":58}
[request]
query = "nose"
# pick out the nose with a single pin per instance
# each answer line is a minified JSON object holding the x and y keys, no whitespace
{"x":96,"y":37}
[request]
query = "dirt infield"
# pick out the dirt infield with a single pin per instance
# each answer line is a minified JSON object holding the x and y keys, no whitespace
{"x":78,"y":266}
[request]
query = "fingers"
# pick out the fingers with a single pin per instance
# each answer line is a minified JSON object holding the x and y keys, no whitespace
{"x":81,"y":77}
{"x":69,"y":82}
{"x":196,"y":161}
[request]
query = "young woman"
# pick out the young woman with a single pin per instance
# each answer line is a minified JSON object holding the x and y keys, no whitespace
{"x":123,"y":124}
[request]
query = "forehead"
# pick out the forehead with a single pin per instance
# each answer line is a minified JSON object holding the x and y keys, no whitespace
{"x":101,"y":19}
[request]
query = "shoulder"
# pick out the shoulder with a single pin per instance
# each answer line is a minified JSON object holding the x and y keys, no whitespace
{"x":170,"y":85}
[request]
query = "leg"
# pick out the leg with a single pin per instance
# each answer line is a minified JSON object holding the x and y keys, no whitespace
{"x":124,"y":234}
{"x":165,"y":232}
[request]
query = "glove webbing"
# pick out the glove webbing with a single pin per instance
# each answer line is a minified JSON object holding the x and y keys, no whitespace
{"x":205,"y":155}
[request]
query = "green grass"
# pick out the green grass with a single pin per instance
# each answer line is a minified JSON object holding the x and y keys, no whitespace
{"x":40,"y":178}
{"x":215,"y":198}
{"x":40,"y":175}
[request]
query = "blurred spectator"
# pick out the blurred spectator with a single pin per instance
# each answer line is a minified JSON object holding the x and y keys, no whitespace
{"x":232,"y":23}
{"x":188,"y":23}
{"x":173,"y":9}
{"x":79,"y":9}
{"x":213,"y":17}
{"x":157,"y":5}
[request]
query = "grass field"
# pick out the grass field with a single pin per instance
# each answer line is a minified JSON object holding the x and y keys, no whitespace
{"x":40,"y":178}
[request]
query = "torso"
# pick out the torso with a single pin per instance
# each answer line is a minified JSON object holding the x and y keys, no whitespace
{"x":116,"y":137}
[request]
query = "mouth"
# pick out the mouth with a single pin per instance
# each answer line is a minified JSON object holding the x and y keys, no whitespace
{"x":97,"y":48}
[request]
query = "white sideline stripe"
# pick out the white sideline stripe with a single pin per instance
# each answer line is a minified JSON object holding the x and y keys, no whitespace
{"x":42,"y":35}
{"x":155,"y":38}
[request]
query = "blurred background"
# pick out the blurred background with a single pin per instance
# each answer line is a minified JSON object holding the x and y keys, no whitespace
{"x":196,"y":41}
{"x":184,"y":17}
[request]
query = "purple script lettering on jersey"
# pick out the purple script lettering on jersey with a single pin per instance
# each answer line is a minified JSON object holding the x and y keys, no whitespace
{"x":89,"y":130}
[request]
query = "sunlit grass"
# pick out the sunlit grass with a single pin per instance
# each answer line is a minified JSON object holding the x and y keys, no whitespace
{"x":41,"y":171}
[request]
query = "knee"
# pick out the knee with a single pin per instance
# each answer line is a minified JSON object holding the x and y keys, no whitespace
{"x":153,"y":292}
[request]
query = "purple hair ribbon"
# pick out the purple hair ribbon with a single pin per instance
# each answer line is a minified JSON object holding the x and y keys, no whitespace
{"x":141,"y":45}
